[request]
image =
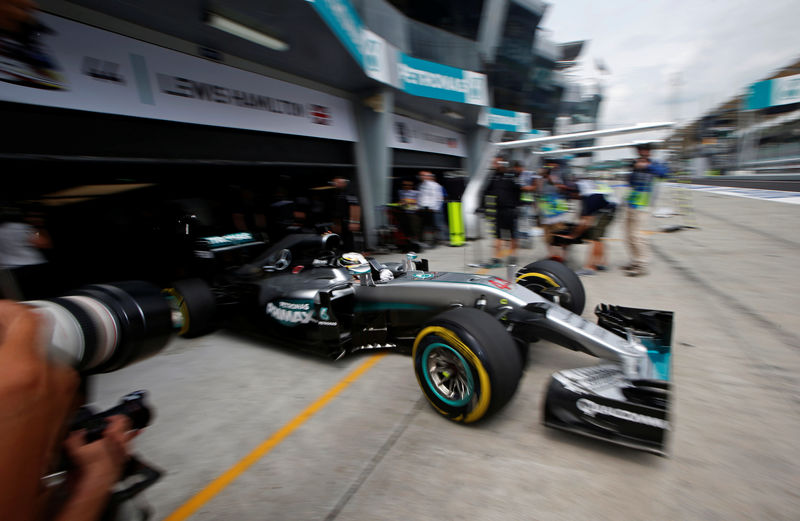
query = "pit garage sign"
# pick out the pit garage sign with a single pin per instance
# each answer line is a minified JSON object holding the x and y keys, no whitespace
{"x":81,"y":67}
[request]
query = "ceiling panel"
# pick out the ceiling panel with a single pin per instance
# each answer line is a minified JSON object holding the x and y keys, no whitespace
{"x":314,"y":51}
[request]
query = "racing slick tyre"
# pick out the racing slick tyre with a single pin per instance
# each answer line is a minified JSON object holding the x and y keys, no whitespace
{"x":551,"y":279}
{"x":195,"y":302}
{"x":467,"y":364}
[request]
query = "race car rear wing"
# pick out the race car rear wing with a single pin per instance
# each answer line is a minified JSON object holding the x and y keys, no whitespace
{"x":206,"y":247}
{"x":216,"y":252}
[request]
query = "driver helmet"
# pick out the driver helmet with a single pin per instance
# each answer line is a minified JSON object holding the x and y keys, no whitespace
{"x":351,"y":260}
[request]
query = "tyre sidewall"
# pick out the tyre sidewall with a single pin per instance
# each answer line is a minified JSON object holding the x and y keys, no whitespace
{"x":554,"y":274}
{"x":491,"y":355}
{"x":196,"y":303}
{"x":459,"y":340}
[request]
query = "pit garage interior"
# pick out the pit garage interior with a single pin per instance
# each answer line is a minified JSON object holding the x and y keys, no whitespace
{"x":104,"y":196}
{"x":122,"y":177}
{"x":115,"y":206}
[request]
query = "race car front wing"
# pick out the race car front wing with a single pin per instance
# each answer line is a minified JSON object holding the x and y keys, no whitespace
{"x":613,"y":402}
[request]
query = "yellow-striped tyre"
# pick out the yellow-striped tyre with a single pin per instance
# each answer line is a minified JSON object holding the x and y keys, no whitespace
{"x":194,"y":304}
{"x":467,"y":364}
{"x":555,"y":282}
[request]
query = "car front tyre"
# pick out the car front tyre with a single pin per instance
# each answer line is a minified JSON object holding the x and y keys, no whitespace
{"x":466,"y":364}
{"x":555,"y":282}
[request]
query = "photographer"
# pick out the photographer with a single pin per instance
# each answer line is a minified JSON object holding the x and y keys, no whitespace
{"x":37,"y":399}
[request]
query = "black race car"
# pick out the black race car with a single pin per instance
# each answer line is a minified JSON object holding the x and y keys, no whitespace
{"x":468,"y":334}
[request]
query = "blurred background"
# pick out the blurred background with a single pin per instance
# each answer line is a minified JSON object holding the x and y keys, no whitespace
{"x":131,"y":124}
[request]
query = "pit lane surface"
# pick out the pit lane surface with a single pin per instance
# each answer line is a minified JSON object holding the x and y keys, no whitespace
{"x":377,"y":451}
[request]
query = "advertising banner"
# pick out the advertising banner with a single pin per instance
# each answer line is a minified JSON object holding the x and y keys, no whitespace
{"x":385,"y":63}
{"x":500,"y":119}
{"x":769,"y":93}
{"x":76,"y":66}
{"x":434,"y":80}
{"x":378,"y":58}
{"x":344,"y":21}
{"x":786,"y":90}
{"x":410,"y":134}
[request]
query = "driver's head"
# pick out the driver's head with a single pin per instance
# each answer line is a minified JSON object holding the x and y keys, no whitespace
{"x":351,"y":259}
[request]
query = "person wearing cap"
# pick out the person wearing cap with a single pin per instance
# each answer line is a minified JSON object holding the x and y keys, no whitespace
{"x":597,"y":212}
{"x":637,"y":203}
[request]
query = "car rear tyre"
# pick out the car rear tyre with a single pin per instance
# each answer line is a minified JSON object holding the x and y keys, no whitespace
{"x":467,"y":364}
{"x":555,"y":282}
{"x":193,"y":299}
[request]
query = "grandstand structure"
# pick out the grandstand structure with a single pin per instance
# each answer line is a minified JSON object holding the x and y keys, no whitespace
{"x":755,"y":132}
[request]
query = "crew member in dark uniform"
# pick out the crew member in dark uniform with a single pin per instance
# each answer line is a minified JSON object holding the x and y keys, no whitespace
{"x":346,"y":214}
{"x":506,"y":191}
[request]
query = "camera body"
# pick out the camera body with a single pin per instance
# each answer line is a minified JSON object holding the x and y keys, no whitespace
{"x":132,"y":406}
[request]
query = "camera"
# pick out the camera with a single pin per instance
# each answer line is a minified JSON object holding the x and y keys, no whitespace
{"x":132,"y":405}
{"x":100,"y":328}
{"x":136,"y":475}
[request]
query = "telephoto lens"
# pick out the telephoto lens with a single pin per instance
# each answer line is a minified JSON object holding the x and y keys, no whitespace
{"x":103,"y":327}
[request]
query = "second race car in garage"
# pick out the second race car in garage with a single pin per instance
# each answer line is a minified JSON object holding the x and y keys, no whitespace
{"x":468,"y":334}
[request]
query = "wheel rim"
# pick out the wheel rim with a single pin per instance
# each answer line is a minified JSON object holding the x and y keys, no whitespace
{"x":448,"y":374}
{"x":546,"y":286}
{"x":178,"y":310}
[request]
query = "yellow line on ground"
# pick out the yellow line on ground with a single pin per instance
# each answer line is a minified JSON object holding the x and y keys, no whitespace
{"x":219,"y":484}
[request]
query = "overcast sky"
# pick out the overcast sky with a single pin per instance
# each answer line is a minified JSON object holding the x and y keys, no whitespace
{"x":714,"y":48}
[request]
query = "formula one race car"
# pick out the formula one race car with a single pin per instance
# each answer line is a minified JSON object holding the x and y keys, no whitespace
{"x":468,"y":334}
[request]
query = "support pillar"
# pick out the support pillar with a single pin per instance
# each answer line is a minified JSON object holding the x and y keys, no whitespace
{"x":480,"y":152}
{"x":373,"y":116}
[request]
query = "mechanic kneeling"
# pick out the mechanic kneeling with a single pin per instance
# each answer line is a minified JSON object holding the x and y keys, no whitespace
{"x":597,"y":213}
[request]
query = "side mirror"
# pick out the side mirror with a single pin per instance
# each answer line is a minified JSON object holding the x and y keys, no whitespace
{"x":281,"y":263}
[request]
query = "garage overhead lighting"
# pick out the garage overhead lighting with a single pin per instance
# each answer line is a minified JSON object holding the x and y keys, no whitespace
{"x":242,"y":31}
{"x":450,"y":113}
{"x":82,"y":193}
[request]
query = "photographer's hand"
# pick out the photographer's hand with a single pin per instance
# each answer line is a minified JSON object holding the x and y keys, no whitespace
{"x":14,"y":13}
{"x":97,"y":467}
{"x":36,"y":398}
